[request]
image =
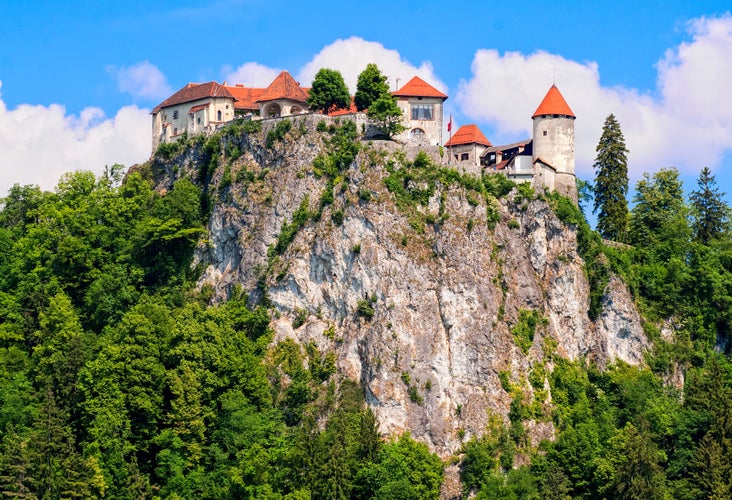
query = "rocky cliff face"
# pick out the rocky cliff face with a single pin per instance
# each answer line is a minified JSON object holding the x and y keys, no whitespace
{"x":427,"y":316}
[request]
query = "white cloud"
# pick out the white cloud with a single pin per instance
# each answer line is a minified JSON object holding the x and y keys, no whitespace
{"x":40,"y":143}
{"x":142,"y":80}
{"x":350,"y":57}
{"x":689,"y":126}
{"x":250,"y":74}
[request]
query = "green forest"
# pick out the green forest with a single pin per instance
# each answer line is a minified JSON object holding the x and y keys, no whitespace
{"x":118,"y":379}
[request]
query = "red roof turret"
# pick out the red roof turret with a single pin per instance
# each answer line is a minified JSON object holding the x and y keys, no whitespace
{"x":553,"y":104}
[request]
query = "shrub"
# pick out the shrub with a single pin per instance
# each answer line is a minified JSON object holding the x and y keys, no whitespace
{"x":523,"y":332}
{"x":300,"y":316}
{"x":365,"y":308}
{"x":337,"y":217}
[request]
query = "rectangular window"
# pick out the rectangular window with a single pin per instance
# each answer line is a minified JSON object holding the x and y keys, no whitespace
{"x":464,"y":156}
{"x":422,"y":112}
{"x":175,"y":115}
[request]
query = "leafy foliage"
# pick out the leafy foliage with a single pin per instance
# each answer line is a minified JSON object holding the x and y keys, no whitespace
{"x":371,"y":85}
{"x":118,"y":380}
{"x":387,"y":115}
{"x":329,"y":91}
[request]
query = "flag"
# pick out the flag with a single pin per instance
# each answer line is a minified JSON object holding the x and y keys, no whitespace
{"x":449,"y":124}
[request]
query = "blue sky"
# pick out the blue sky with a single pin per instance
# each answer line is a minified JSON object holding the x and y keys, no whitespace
{"x":78,"y":78}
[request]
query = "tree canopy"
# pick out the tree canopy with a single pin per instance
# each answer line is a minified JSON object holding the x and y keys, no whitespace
{"x":119,"y":379}
{"x":329,"y":91}
{"x":371,"y":85}
{"x":386,"y":115}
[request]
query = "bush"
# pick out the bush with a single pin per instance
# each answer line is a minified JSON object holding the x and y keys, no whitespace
{"x":278,"y":134}
{"x":365,"y":308}
{"x":523,"y":332}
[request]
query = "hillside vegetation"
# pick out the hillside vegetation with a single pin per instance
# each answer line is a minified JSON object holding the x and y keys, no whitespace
{"x":120,"y":379}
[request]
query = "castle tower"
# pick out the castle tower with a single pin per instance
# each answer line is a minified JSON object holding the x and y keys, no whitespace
{"x":554,"y":144}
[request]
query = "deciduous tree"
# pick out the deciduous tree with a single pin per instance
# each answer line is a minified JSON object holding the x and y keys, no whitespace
{"x":386,"y":115}
{"x":329,"y":91}
{"x":370,"y":86}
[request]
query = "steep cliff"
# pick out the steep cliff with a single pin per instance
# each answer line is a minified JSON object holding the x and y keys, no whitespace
{"x":444,"y":298}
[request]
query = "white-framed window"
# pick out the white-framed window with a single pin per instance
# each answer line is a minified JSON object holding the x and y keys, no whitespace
{"x":422,"y":112}
{"x":417,"y":133}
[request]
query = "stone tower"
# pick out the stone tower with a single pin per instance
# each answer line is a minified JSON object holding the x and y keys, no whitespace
{"x":554,"y":143}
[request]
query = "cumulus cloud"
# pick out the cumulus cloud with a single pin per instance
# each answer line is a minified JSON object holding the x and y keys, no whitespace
{"x":250,"y":74}
{"x":350,"y":57}
{"x":40,"y":143}
{"x":689,"y":124}
{"x":142,"y":80}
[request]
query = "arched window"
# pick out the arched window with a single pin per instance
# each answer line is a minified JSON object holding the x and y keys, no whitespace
{"x":218,"y":115}
{"x":417,"y":133}
{"x":295,"y":110}
{"x":272,"y":109}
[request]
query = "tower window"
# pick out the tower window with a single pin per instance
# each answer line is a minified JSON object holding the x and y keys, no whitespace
{"x":422,"y":112}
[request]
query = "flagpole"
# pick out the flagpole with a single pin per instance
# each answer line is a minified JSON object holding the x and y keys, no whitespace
{"x":449,"y":150}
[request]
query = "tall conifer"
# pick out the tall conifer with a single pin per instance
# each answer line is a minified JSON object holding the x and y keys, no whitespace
{"x":710,"y":214}
{"x":611,"y":182}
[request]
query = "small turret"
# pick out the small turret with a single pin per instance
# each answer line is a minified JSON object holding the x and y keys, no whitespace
{"x":554,"y":143}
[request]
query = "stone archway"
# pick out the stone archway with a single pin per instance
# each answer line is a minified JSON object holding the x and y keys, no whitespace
{"x":272,"y":109}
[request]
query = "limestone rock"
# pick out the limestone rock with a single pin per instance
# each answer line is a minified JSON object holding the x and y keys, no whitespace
{"x":446,"y":296}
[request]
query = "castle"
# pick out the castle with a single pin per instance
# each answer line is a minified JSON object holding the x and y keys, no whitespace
{"x":546,"y":160}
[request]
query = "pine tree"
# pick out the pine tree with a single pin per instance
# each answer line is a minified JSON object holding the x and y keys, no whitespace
{"x":710,"y":214}
{"x":611,"y":182}
{"x":370,"y":86}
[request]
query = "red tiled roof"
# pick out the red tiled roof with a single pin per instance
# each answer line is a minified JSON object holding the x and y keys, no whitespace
{"x":553,"y":104}
{"x":198,"y":108}
{"x":245,"y":97}
{"x":283,"y":87}
{"x":351,"y":110}
{"x":502,"y":165}
{"x":194,"y":92}
{"x":468,"y":134}
{"x":416,"y":87}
